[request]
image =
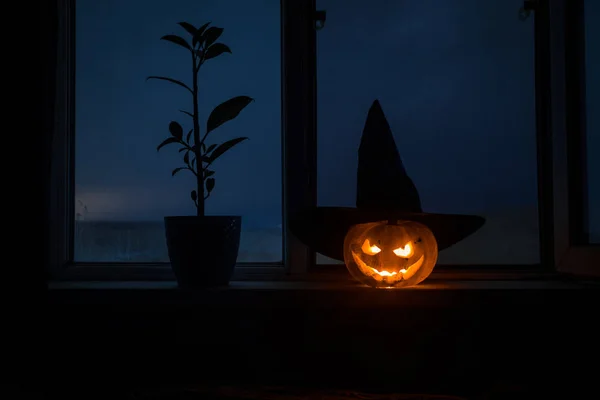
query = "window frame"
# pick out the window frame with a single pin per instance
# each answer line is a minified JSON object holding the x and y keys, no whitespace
{"x":541,"y":27}
{"x":558,"y":250}
{"x":296,"y":181}
{"x":573,"y":254}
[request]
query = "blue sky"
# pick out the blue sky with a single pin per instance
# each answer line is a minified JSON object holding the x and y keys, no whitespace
{"x":455,"y":79}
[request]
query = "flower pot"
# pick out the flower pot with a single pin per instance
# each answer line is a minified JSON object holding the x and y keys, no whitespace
{"x":203,"y":250}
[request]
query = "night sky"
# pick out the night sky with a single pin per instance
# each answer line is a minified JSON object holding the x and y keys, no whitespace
{"x":455,"y":79}
{"x":457,"y":86}
{"x":121,"y":118}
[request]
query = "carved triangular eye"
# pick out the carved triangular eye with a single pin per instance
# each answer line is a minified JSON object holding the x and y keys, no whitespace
{"x":368,"y":249}
{"x":405,"y":252}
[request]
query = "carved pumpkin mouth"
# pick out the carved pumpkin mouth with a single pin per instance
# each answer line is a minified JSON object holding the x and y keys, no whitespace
{"x":385,"y":275}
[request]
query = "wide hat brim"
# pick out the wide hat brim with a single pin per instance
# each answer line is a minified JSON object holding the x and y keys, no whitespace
{"x":324,"y":229}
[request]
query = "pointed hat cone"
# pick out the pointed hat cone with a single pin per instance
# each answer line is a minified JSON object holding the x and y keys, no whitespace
{"x":382,"y":181}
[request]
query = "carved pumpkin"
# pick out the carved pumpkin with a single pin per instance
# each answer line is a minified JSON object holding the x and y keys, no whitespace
{"x":390,"y":253}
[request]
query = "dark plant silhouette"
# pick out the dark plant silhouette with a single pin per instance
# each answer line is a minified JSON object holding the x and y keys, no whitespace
{"x":198,"y":156}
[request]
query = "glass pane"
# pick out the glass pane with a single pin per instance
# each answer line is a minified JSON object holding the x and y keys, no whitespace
{"x":124,"y":186}
{"x":592,"y":26}
{"x":456,"y":81}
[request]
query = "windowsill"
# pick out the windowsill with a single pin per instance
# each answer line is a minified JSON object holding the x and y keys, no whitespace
{"x":460,"y":333}
{"x":246,"y":294}
{"x":329,"y":286}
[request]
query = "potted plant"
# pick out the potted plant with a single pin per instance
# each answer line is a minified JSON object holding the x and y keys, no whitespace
{"x":203,"y":249}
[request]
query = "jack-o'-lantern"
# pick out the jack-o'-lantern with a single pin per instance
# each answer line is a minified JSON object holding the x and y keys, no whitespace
{"x":390,"y":253}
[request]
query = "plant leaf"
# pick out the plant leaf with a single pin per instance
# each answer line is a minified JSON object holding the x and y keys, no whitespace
{"x":193,"y":162}
{"x":210,"y":148}
{"x":191,"y":29}
{"x":177,"y":40}
{"x":208,"y":173}
{"x":176,"y":130}
{"x":194,"y":195}
{"x":210,"y":184}
{"x":166,"y":142}
{"x":226,"y":111}
{"x":187,"y":113}
{"x":211,"y":35}
{"x":223,"y":147}
{"x":189,"y":135}
{"x":198,"y":36}
{"x":186,"y":157}
{"x":182,"y":149}
{"x":203,"y":147}
{"x":216,"y":50}
{"x":176,"y":170}
{"x":175,"y":81}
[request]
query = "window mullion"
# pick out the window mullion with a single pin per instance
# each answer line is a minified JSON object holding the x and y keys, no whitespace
{"x":299,"y":122}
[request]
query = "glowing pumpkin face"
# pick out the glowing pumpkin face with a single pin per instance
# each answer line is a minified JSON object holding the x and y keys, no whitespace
{"x":390,"y":253}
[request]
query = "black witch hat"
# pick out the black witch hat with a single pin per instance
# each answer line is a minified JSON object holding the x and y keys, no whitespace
{"x":384,"y":192}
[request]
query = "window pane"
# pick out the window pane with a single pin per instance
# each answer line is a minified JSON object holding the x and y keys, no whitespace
{"x":592,"y":25}
{"x":456,"y":81}
{"x":124,"y":186}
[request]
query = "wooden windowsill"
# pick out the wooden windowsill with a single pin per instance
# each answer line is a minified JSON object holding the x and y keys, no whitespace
{"x":282,"y":294}
{"x":461,"y":334}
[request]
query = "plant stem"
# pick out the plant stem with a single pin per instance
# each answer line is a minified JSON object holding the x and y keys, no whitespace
{"x":198,"y":150}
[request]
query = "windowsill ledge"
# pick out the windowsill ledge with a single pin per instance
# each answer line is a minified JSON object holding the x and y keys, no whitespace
{"x":458,"y":333}
{"x":329,"y":286}
{"x":450,"y":293}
